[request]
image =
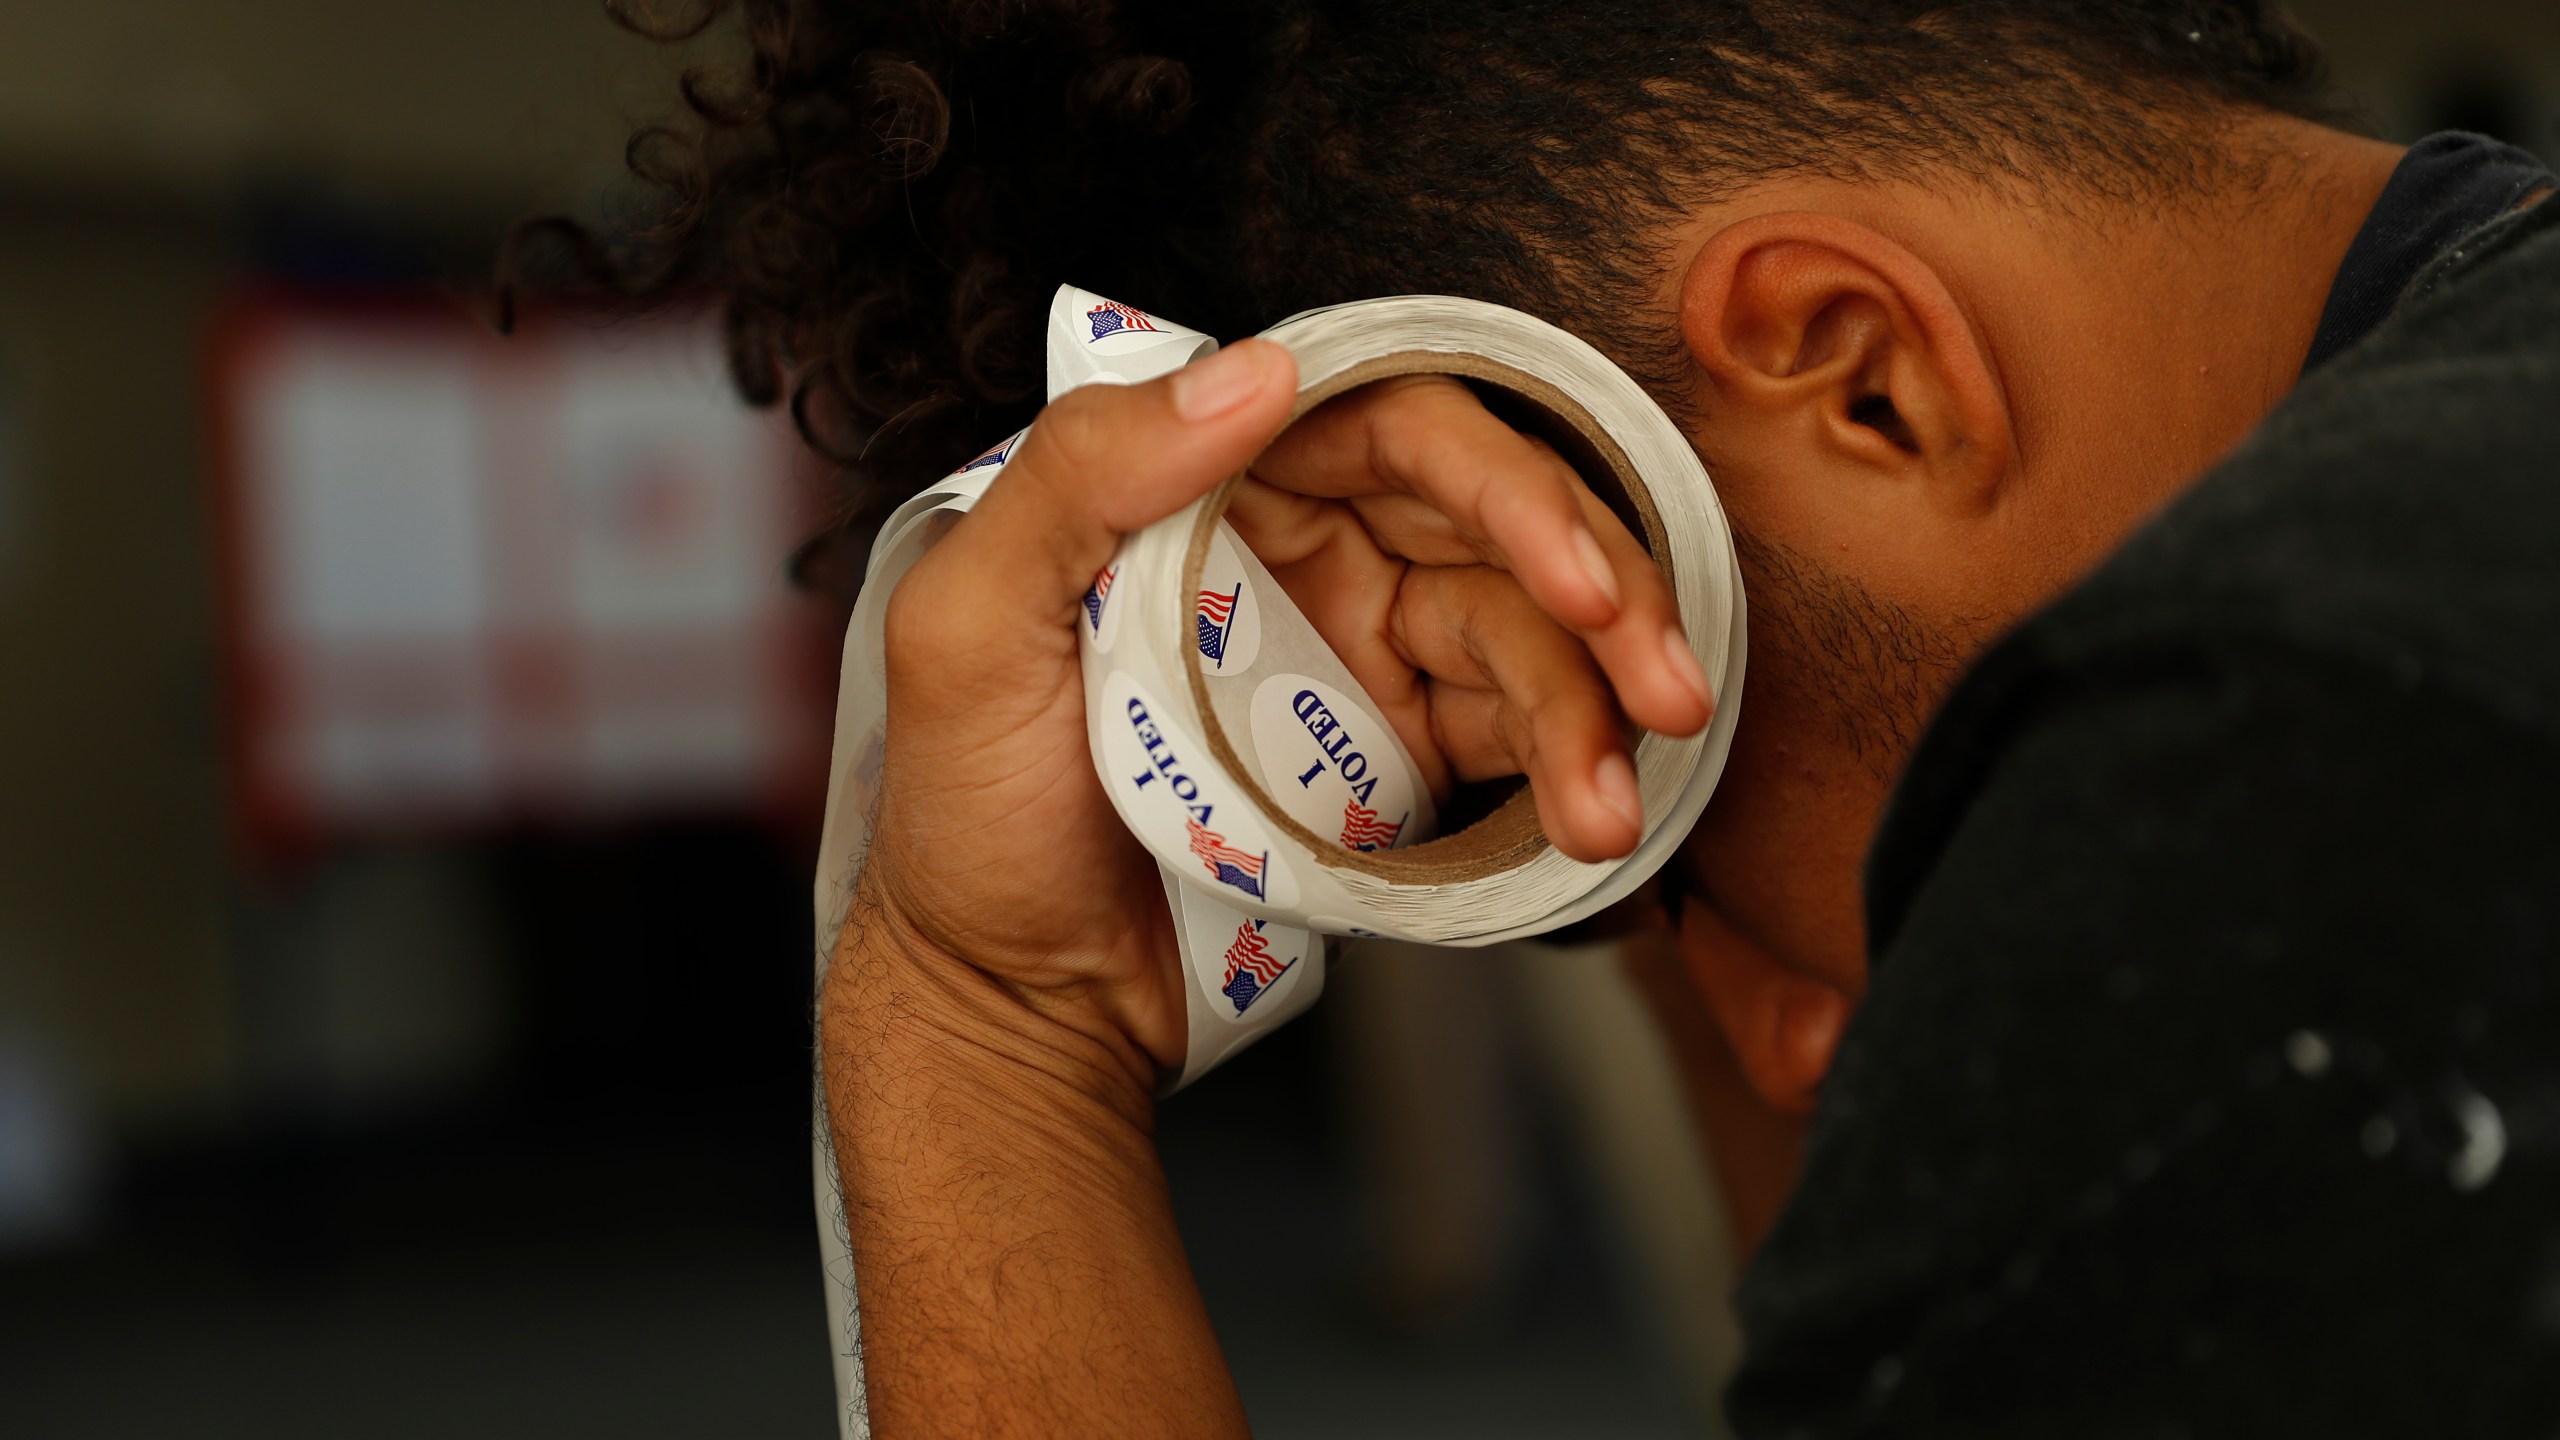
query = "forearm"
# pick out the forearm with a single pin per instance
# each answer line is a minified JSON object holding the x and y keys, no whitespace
{"x":1015,"y":1251}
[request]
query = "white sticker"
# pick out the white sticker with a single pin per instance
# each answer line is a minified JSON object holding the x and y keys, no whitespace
{"x":1104,"y":599}
{"x":994,"y":457}
{"x":1096,"y":341}
{"x":1332,"y":765}
{"x":1115,"y":325}
{"x":1172,"y":795}
{"x":1243,"y":966}
{"x":1226,"y":616}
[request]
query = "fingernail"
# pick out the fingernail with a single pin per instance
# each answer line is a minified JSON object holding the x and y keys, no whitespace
{"x":1595,"y":563}
{"x":1207,"y":389}
{"x":1684,"y":663}
{"x":1614,"y":781}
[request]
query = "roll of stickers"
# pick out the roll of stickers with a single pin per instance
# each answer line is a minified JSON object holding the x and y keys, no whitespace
{"x":1240,"y":750}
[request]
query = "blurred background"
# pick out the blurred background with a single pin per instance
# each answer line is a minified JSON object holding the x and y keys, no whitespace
{"x":409,"y":765}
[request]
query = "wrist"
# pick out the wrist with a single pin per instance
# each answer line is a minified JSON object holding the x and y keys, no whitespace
{"x":894,"y":1001}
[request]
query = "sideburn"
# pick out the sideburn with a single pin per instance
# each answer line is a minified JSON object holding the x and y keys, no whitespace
{"x":1874,"y":667}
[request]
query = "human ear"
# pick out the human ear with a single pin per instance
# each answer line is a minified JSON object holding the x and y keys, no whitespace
{"x":1783,"y":1024}
{"x":1827,"y":342}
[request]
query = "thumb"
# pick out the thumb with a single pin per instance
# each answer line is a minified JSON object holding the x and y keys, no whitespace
{"x":1108,"y":459}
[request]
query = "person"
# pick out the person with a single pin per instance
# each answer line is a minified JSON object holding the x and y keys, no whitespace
{"x":2145,"y":498}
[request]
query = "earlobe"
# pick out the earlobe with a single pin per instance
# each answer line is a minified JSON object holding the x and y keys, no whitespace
{"x":1783,"y":1024}
{"x":1823,"y":332}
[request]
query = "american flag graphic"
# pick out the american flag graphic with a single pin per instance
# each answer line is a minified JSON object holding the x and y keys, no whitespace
{"x":992,"y":457}
{"x":1251,"y":967}
{"x":1362,"y":830}
{"x":1227,"y":864}
{"x":1093,"y":597}
{"x":1217,"y":619}
{"x":1113,"y":318}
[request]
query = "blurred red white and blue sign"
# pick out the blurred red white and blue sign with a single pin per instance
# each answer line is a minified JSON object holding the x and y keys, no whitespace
{"x":476,"y":581}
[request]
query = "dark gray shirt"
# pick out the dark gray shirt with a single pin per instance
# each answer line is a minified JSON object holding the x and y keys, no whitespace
{"x":2209,"y":1080}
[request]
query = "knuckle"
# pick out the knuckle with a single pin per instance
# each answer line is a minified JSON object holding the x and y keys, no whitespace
{"x":1403,"y":392}
{"x":1076,"y":434}
{"x":1521,"y":513}
{"x":1649,"y":599}
{"x":1405,"y":420}
{"x":1426,"y":615}
{"x":1565,"y":484}
{"x":1439,"y":725}
{"x":1563,"y":717}
{"x":1440,"y":395}
{"x":1452,"y":596}
{"x":1401,"y":620}
{"x":1504,"y":605}
{"x":1517,"y":733}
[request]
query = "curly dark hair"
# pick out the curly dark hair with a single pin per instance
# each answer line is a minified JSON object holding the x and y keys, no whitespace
{"x":884,"y":193}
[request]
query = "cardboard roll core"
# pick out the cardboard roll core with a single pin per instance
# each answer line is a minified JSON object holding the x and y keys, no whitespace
{"x":1511,"y":834}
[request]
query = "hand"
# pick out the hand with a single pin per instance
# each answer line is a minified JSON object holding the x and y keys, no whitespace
{"x":1496,"y":610}
{"x":995,"y":845}
{"x":1008,"y":988}
{"x":1501,"y":616}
